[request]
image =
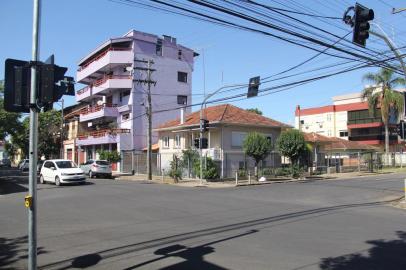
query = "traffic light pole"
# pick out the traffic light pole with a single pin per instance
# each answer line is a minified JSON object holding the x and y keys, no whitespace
{"x":201,"y":124}
{"x":391,"y":45}
{"x":33,"y":154}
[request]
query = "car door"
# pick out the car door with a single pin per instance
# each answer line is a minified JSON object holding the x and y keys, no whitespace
{"x":87,"y":167}
{"x":53,"y":171}
{"x":45,"y":170}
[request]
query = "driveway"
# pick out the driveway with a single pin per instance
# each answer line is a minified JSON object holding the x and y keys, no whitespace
{"x":107,"y":224}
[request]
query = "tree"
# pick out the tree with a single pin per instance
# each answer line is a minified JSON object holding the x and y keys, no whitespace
{"x":255,"y":110}
{"x":9,"y":121}
{"x":389,"y":101}
{"x":49,"y":133}
{"x":110,"y":156}
{"x":258,"y":147}
{"x":291,"y":143}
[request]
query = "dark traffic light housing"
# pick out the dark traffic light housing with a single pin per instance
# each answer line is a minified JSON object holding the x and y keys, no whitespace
{"x":203,"y":142}
{"x":204,"y":125}
{"x":52,"y":84}
{"x":362,"y":16}
{"x":253,"y":86}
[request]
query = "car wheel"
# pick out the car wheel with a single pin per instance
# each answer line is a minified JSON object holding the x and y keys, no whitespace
{"x":91,"y":174}
{"x":57,"y":181}
{"x":41,"y":179}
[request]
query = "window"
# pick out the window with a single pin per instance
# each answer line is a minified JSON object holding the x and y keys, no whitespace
{"x":182,"y":77}
{"x":48,"y":164}
{"x":124,"y":94}
{"x":180,"y":54}
{"x":177,"y":141}
{"x":237,"y":138}
{"x":329,"y":117}
{"x":165,"y":142}
{"x":182,"y":100}
{"x":343,"y":133}
{"x":302,"y":122}
{"x":241,"y":165}
{"x":329,"y":133}
{"x":269,"y":137}
{"x":159,"y":47}
{"x":125,"y":116}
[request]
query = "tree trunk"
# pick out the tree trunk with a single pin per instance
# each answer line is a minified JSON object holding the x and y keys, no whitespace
{"x":386,"y":144}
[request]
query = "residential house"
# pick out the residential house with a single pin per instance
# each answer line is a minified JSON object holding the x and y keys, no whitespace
{"x":228,"y":126}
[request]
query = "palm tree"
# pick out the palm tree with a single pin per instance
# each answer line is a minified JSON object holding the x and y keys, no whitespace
{"x":382,"y":95}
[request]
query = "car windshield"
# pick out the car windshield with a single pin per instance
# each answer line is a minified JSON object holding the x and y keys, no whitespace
{"x":102,"y":162}
{"x":66,"y":164}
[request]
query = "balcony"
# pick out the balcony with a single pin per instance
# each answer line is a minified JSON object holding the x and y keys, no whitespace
{"x":367,"y":137}
{"x":93,"y":112}
{"x":104,"y":136}
{"x":83,"y":94}
{"x":101,"y":62}
{"x":108,"y":82}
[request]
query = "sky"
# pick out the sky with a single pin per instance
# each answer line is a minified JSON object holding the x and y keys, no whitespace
{"x":71,"y":29}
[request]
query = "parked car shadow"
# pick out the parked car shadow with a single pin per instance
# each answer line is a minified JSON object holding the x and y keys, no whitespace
{"x":383,"y":255}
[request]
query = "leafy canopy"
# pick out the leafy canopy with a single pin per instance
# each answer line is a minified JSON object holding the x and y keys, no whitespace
{"x":291,"y":143}
{"x":255,"y":110}
{"x":257,"y":146}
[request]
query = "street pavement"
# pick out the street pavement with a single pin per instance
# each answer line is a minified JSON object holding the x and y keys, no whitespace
{"x":112,"y":224}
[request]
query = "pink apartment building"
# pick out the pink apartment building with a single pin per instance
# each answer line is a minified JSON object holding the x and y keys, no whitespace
{"x":114,"y":115}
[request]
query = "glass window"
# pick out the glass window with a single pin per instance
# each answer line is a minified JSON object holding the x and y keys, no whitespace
{"x":182,"y":77}
{"x":158,"y":47}
{"x":237,"y":138}
{"x":343,"y":133}
{"x":125,"y":116}
{"x":165,"y":142}
{"x":65,"y":164}
{"x":102,"y":162}
{"x":177,"y":141}
{"x":180,"y":54}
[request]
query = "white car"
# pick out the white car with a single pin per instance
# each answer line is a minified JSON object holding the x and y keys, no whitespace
{"x":61,"y":171}
{"x":96,"y":168}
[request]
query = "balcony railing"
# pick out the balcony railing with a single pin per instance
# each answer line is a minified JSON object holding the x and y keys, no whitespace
{"x":364,"y":121}
{"x":83,"y":90}
{"x":108,"y":77}
{"x":102,"y":133}
{"x":96,"y":108}
{"x":99,"y":56}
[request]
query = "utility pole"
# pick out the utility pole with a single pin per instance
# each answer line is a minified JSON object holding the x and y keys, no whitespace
{"x":33,"y":147}
{"x":148,"y":82}
{"x":62,"y":130}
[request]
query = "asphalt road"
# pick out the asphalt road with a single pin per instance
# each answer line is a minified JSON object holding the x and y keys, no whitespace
{"x":107,"y":224}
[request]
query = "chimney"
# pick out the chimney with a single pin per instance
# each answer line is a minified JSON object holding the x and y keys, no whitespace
{"x":182,"y":115}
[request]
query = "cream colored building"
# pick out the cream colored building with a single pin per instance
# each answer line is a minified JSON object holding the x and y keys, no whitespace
{"x":228,"y":126}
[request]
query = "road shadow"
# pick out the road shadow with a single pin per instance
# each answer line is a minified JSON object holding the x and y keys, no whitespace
{"x":12,"y":181}
{"x":13,"y":250}
{"x":383,"y":255}
{"x":174,"y":239}
{"x":193,"y":256}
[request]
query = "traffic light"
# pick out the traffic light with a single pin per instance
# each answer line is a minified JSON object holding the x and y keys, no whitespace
{"x":196,"y":143}
{"x":204,"y":143}
{"x":201,"y":142}
{"x":52,"y":84}
{"x":253,"y":86}
{"x":401,"y":129}
{"x":361,"y":26}
{"x":17,"y":80}
{"x":204,"y":124}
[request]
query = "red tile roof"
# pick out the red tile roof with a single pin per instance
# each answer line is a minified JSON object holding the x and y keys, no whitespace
{"x":334,"y":143}
{"x":225,"y":114}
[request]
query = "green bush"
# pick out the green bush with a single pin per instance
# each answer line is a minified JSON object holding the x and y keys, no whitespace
{"x":110,"y":156}
{"x":242,"y":173}
{"x":210,"y":172}
{"x":175,"y":172}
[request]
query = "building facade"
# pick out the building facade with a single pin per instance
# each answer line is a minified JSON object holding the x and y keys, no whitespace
{"x":348,"y":118}
{"x":228,"y":126}
{"x":116,"y":93}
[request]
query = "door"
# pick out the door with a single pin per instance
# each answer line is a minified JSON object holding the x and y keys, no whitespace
{"x":69,"y":154}
{"x":47,"y":171}
{"x":109,"y":100}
